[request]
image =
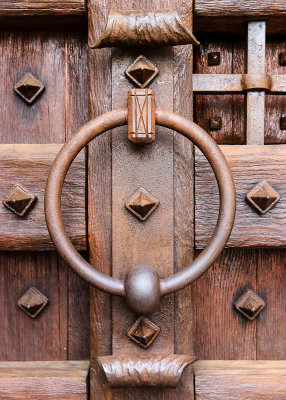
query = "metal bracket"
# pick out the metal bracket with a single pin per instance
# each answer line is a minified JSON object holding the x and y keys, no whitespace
{"x":144,"y":28}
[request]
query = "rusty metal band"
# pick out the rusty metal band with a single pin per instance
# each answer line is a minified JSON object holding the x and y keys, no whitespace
{"x":112,"y":120}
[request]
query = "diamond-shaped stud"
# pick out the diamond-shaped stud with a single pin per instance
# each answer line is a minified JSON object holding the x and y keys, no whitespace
{"x":249,"y":304}
{"x":142,"y":204}
{"x":263,"y":197}
{"x":143,"y":332}
{"x":19,"y":200}
{"x":29,"y":88}
{"x":141,"y":72}
{"x":33,"y":302}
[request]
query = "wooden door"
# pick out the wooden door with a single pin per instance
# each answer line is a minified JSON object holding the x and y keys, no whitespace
{"x":56,"y":330}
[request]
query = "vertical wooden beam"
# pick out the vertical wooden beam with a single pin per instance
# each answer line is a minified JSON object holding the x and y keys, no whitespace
{"x":99,"y":194}
{"x":255,"y":100}
{"x":175,"y":93}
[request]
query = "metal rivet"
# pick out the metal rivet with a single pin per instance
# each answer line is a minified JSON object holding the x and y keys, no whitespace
{"x":214,"y":58}
{"x":143,"y":332}
{"x":249,"y":304}
{"x":282,"y":58}
{"x":283,"y":122}
{"x":142,"y":204}
{"x":29,"y":88}
{"x":19,"y":200}
{"x":142,"y":71}
{"x":263,"y":197}
{"x":215,"y":123}
{"x":33,"y":302}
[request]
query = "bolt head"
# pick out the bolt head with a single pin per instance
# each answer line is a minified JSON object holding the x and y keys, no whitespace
{"x":142,"y":289}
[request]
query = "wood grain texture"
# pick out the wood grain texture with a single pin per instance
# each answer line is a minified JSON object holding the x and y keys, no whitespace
{"x":237,"y":8}
{"x":99,"y":197}
{"x":44,"y":338}
{"x":39,"y":8}
{"x":271,"y":285}
{"x":184,"y":201}
{"x":29,"y":165}
{"x":220,"y":332}
{"x":246,"y":380}
{"x":44,"y":380}
{"x":275,"y":105}
{"x":100,"y":62}
{"x":249,"y":166}
{"x":229,"y":107}
{"x":54,"y":335}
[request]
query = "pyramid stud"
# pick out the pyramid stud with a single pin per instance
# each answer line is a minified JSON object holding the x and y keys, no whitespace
{"x":19,"y":200}
{"x":33,"y":302}
{"x":143,"y":332}
{"x":29,"y":88}
{"x":263,"y":197}
{"x":141,"y":72}
{"x":142,"y":204}
{"x":249,"y":304}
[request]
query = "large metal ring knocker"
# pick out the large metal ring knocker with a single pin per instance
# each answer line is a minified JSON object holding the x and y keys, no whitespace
{"x":142,"y":287}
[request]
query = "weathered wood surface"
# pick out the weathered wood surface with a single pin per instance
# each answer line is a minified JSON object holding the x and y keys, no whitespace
{"x":60,"y":332}
{"x":271,"y":285}
{"x":44,"y":380}
{"x":100,"y":243}
{"x":246,"y":380}
{"x":249,"y":165}
{"x":229,"y":107}
{"x":222,"y":8}
{"x":220,"y":332}
{"x":29,"y":166}
{"x":275,"y":105}
{"x":41,"y":8}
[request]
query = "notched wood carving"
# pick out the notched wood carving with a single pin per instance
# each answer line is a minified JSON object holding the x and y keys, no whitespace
{"x":144,"y":28}
{"x":144,"y":370}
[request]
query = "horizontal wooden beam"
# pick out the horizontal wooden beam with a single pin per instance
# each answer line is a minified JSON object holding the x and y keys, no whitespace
{"x":249,"y":165}
{"x":28,"y":165}
{"x":37,"y":8}
{"x":231,"y":83}
{"x":214,"y":8}
{"x":44,"y":380}
{"x":243,"y":380}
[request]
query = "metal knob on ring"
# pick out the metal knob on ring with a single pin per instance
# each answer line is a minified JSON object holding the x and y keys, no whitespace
{"x":142,"y":287}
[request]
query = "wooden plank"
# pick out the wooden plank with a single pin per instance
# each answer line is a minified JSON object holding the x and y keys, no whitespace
{"x":249,"y":165}
{"x":207,"y":8}
{"x":101,"y":330}
{"x":246,"y":380}
{"x":275,"y":105}
{"x":184,"y":201}
{"x":44,"y":380}
{"x":41,"y":8}
{"x":29,"y":165}
{"x":227,"y":107}
{"x":99,"y":197}
{"x":271,"y":286}
{"x":76,"y":116}
{"x":43,"y":338}
{"x":220,"y":332}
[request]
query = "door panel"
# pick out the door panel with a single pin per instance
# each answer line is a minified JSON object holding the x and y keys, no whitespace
{"x":61,"y":330}
{"x":246,"y":380}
